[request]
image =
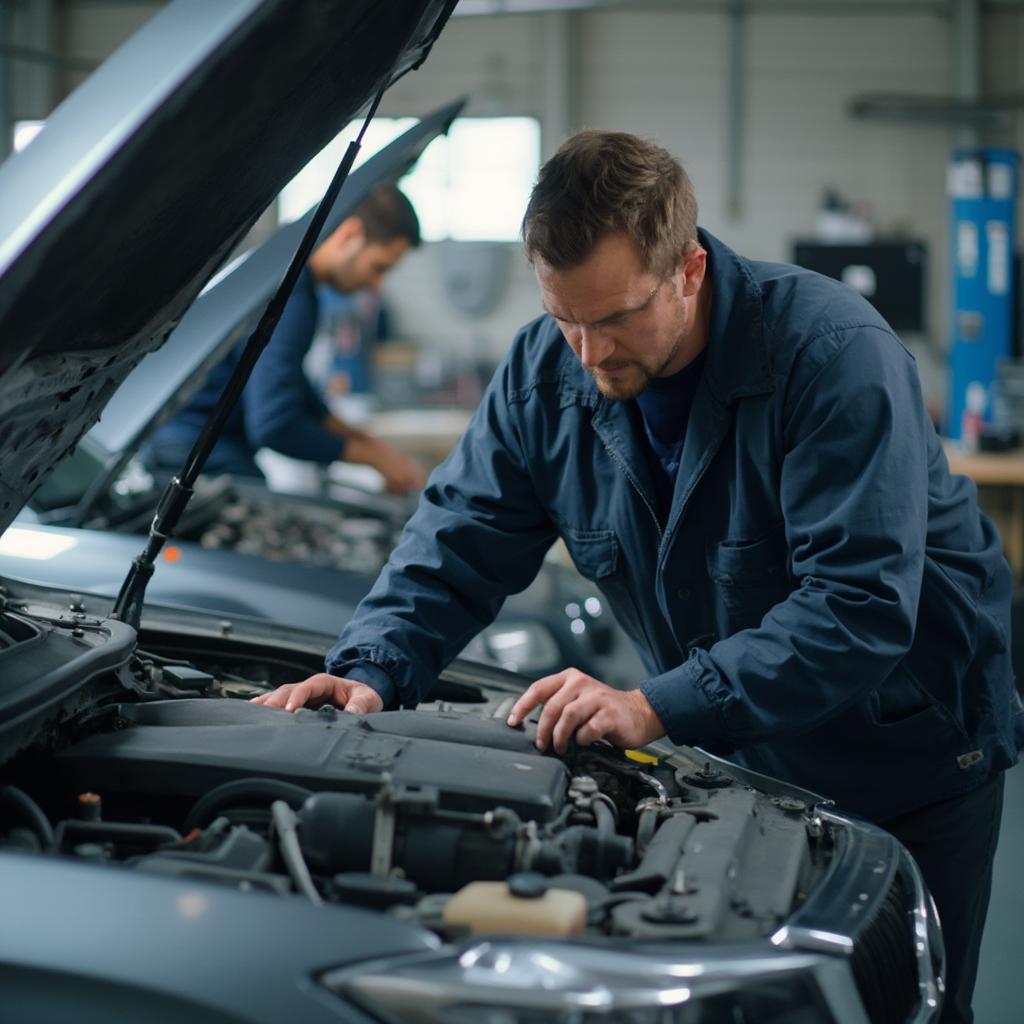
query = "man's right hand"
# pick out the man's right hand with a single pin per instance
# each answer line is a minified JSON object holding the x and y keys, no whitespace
{"x":401,"y":474}
{"x":320,"y":689}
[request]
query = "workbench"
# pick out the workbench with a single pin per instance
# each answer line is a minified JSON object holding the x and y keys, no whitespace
{"x":1000,"y":480}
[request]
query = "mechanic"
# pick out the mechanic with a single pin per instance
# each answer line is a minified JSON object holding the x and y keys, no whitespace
{"x":280,"y":408}
{"x":738,"y":453}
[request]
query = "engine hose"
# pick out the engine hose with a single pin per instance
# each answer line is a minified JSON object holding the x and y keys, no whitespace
{"x":40,"y":823}
{"x":646,"y":828}
{"x":246,"y":790}
{"x":285,"y":821}
{"x":604,"y":818}
{"x":604,"y":814}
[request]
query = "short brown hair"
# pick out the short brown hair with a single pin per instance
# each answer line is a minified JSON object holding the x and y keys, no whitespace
{"x":604,"y":182}
{"x":387,"y":214}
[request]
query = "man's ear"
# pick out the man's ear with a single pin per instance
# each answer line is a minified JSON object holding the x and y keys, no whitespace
{"x":693,"y":266}
{"x":349,"y":234}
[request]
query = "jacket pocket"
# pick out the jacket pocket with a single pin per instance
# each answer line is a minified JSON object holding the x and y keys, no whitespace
{"x":911,"y":718}
{"x":748,"y":578}
{"x":750,"y":563}
{"x":595,"y":553}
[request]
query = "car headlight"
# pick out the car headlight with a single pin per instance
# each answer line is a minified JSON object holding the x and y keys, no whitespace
{"x":513,"y":982}
{"x":518,"y":646}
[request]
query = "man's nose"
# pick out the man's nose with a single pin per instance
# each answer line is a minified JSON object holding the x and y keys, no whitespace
{"x":594,"y":349}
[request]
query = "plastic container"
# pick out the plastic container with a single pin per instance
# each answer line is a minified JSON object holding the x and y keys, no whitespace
{"x":490,"y":908}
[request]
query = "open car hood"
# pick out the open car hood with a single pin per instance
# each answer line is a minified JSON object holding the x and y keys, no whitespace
{"x":226,"y":311}
{"x":147,"y":177}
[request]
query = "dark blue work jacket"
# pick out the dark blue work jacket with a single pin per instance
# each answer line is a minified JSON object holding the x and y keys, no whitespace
{"x":279,"y":408}
{"x":824,"y":600}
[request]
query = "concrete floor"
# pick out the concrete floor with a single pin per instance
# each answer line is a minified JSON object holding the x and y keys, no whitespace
{"x":999,"y":994}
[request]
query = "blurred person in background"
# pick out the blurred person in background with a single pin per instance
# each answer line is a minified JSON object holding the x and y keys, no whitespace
{"x":280,"y":409}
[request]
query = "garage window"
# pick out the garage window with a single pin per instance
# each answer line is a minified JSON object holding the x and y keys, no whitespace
{"x":471,"y":185}
{"x":24,"y":132}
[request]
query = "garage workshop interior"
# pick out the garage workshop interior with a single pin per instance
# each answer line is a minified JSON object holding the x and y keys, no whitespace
{"x":511,"y":511}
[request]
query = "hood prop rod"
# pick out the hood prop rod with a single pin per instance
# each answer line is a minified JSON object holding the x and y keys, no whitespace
{"x":176,"y":496}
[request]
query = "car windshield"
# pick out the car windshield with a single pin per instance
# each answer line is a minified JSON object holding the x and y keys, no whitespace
{"x":68,"y":483}
{"x":66,"y":488}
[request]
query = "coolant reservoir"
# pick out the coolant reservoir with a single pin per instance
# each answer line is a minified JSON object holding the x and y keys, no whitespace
{"x":523,"y":905}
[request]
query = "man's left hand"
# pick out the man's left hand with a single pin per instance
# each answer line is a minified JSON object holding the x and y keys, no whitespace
{"x":579,"y":705}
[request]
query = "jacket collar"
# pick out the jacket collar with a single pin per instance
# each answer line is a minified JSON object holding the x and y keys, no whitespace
{"x":737,"y":365}
{"x":738,"y":359}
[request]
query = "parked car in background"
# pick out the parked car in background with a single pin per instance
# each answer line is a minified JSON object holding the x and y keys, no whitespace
{"x":560,"y":620}
{"x":290,"y":558}
{"x":170,"y":851}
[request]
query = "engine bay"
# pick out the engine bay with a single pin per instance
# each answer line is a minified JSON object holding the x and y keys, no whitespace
{"x":442,"y":817}
{"x":351,"y":531}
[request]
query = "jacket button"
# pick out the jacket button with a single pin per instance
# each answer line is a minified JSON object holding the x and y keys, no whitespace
{"x":683,"y":593}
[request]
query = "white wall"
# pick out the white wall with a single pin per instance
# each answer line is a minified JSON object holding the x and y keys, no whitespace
{"x":93,"y":30}
{"x":665,"y":75}
{"x":1003,"y":73}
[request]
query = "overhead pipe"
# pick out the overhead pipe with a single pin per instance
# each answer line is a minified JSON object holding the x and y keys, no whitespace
{"x":6,"y":83}
{"x":559,"y":102}
{"x":39,"y":78}
{"x":965,"y":37}
{"x":735,"y":108}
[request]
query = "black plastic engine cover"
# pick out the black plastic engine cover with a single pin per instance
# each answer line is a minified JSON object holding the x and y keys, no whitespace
{"x":186,"y":747}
